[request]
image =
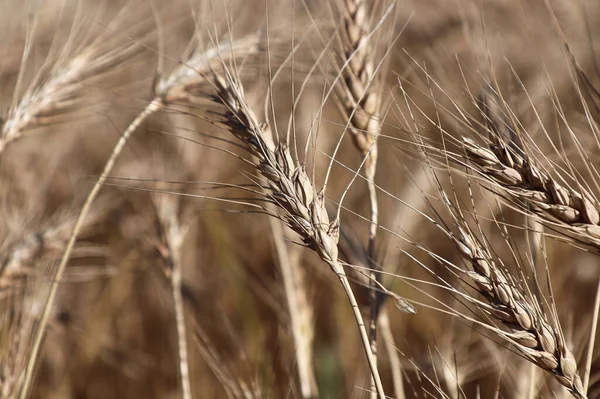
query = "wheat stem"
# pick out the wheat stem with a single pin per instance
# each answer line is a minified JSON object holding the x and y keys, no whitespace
{"x":289,"y":185}
{"x":371,"y":359}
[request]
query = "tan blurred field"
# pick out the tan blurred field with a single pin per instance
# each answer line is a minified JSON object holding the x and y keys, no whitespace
{"x":184,"y":243}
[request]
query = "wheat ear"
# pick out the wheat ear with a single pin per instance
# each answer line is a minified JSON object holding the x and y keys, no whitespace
{"x":189,"y":78}
{"x":61,"y":89}
{"x":293,"y":191}
{"x":18,"y":259}
{"x":360,"y":103}
{"x":532,"y":334}
{"x":184,"y":84}
{"x":574,"y":209}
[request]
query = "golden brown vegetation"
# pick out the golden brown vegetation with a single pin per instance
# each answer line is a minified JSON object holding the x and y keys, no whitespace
{"x":313,"y":199}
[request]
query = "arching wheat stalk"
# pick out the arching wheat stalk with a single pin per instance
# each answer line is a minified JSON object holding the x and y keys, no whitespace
{"x":288,"y":184}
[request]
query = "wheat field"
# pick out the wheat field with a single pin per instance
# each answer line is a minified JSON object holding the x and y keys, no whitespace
{"x":299,"y":199}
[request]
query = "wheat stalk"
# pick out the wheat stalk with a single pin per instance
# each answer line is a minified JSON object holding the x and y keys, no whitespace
{"x":79,"y":223}
{"x":291,"y":188}
{"x":15,"y":355}
{"x":188,"y":82}
{"x":17,"y":262}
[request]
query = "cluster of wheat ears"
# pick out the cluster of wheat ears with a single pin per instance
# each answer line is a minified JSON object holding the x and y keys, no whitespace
{"x":299,"y":198}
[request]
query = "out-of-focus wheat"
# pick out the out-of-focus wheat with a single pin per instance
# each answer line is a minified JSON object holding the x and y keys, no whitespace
{"x":172,"y":235}
{"x":18,"y":272}
{"x":360,"y":101}
{"x":59,"y":91}
{"x":162,"y":100}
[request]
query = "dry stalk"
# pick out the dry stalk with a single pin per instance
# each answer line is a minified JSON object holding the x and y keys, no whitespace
{"x":360,"y":104}
{"x":355,"y":254}
{"x":576,"y":210}
{"x":17,"y":263}
{"x":185,"y":84}
{"x":533,"y":336}
{"x":172,"y":235}
{"x":592,"y":341}
{"x":234,"y":386}
{"x":291,"y":188}
{"x":412,"y":192}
